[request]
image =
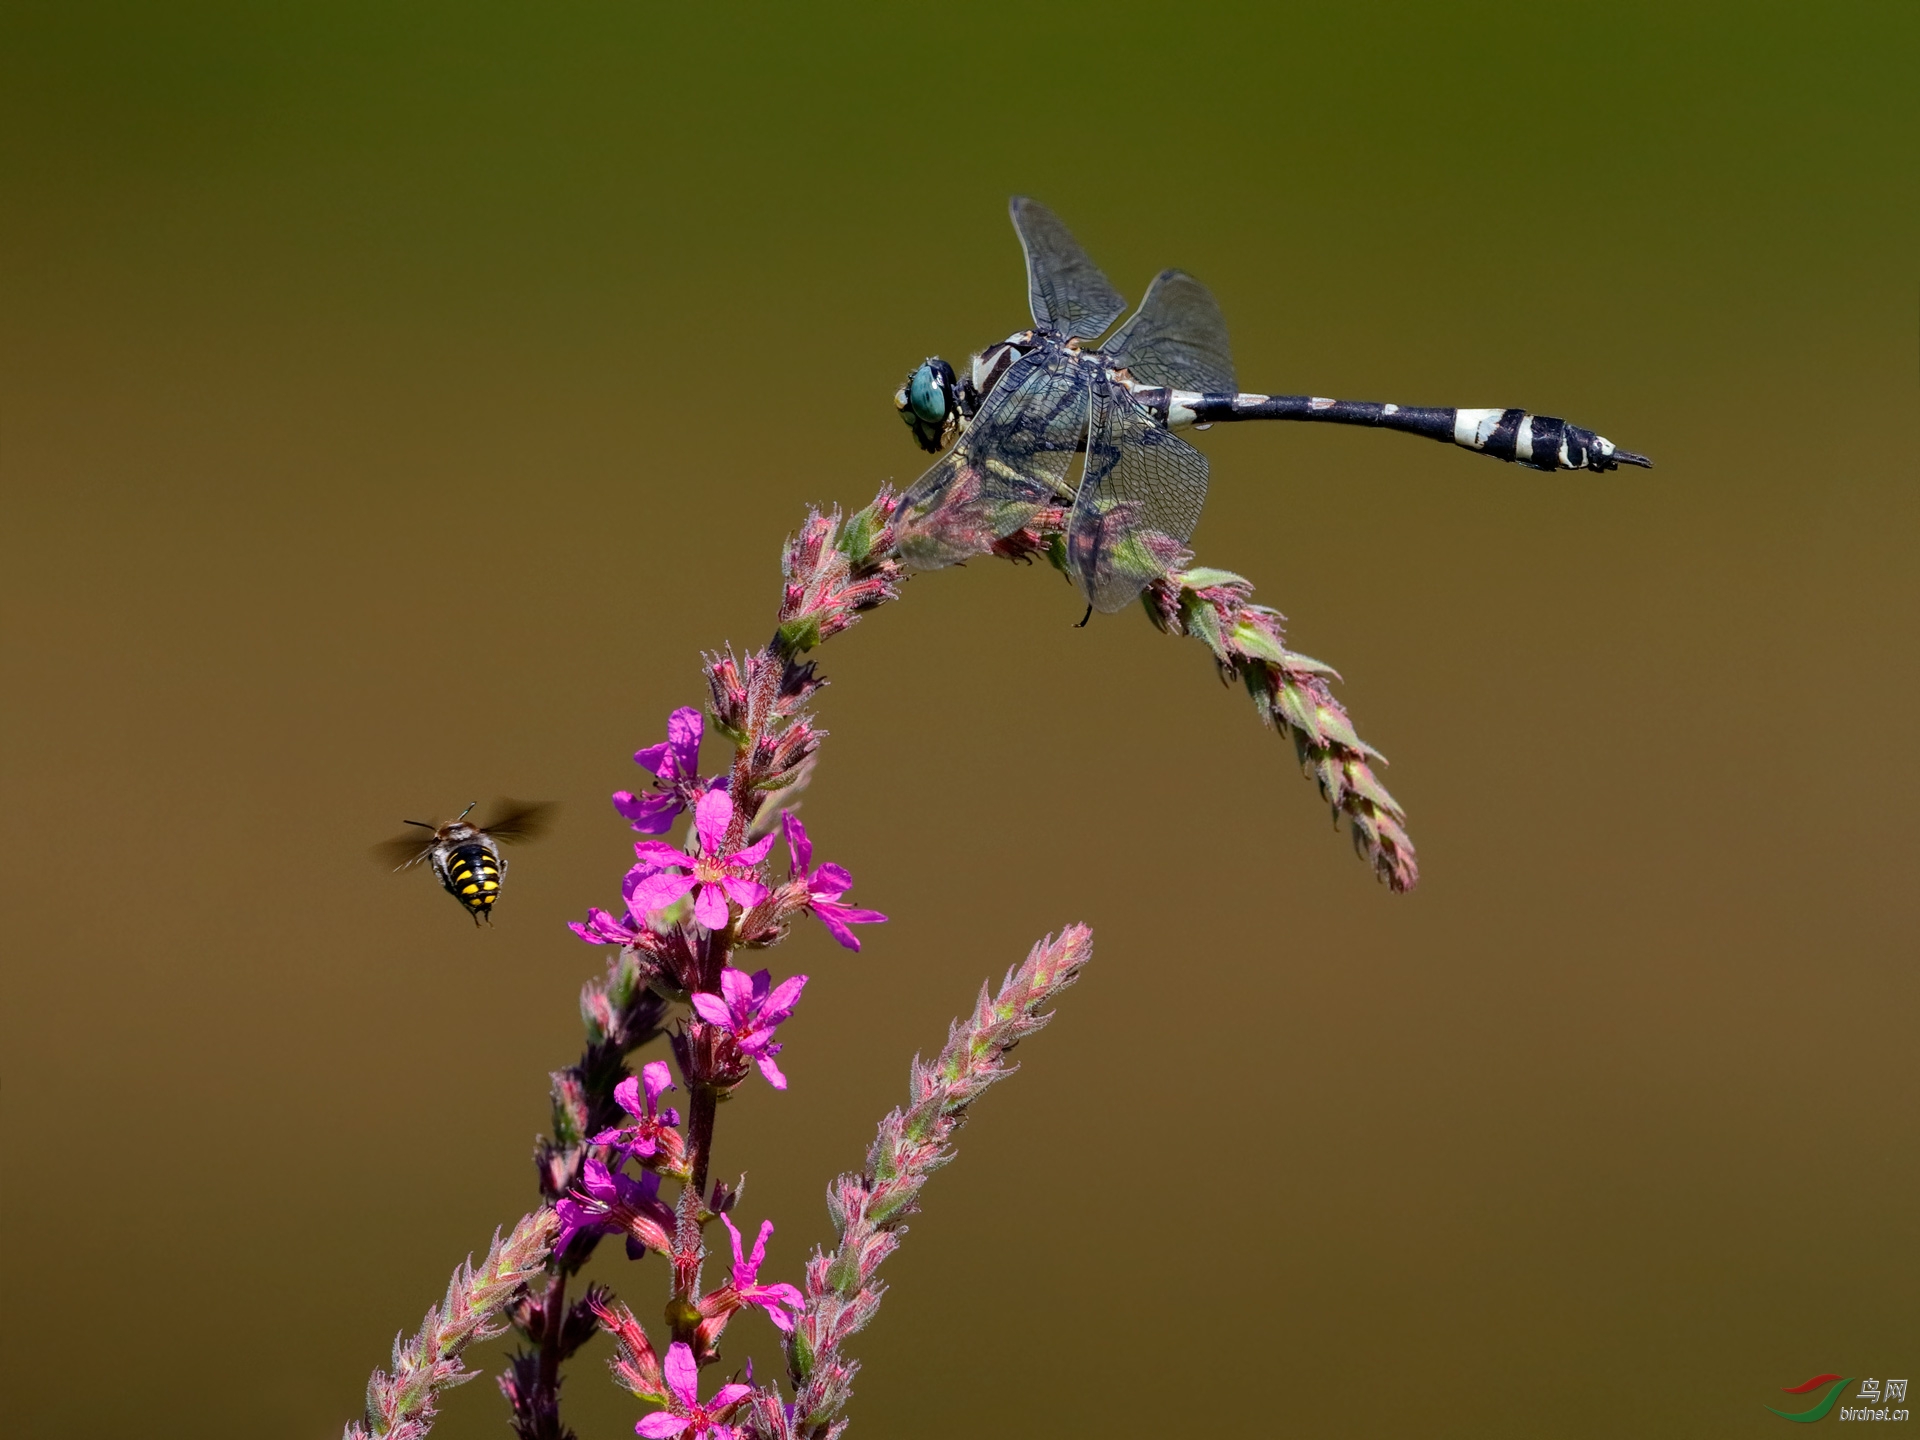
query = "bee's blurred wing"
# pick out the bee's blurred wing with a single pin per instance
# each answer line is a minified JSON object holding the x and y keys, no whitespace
{"x":516,"y":820}
{"x":402,"y":851}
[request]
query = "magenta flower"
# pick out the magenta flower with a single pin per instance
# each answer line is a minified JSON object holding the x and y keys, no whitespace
{"x":776,"y":1300}
{"x":749,"y":1008}
{"x":616,"y":1204}
{"x":824,"y":886}
{"x":716,"y":877}
{"x":689,"y":1417}
{"x":651,"y":1132}
{"x":675,"y":767}
{"x":601,"y":928}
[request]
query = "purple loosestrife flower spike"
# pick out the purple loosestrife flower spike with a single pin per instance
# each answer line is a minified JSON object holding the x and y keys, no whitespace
{"x":750,"y":1008}
{"x":716,"y":878}
{"x":869,"y":1208}
{"x":1291,"y":692}
{"x":401,"y":1405}
{"x":688,"y":1416}
{"x":781,"y":1302}
{"x":675,"y":767}
{"x":824,"y":886}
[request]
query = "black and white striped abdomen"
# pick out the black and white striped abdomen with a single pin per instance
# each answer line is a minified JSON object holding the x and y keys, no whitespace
{"x":471,"y":873}
{"x":1542,"y":441}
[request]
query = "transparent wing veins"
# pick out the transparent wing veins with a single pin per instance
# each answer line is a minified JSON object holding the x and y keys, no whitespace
{"x":1177,"y":338}
{"x":1065,"y":289}
{"x":1140,"y":498}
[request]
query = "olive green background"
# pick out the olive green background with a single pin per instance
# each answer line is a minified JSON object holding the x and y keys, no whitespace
{"x":398,"y":398}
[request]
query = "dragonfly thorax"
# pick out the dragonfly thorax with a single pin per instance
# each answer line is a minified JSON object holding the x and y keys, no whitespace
{"x":991,"y":363}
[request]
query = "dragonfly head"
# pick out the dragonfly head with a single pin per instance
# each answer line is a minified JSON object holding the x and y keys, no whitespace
{"x":930,"y":404}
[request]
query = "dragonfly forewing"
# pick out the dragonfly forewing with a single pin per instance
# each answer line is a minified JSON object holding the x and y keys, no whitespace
{"x":1012,"y":459}
{"x":1140,"y":498}
{"x":1065,"y":289}
{"x":1177,"y":338}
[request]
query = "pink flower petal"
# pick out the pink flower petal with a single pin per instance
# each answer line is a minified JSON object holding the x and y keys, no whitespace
{"x":739,"y":1259}
{"x":601,"y":928}
{"x":683,"y":735}
{"x":650,"y":814}
{"x":836,"y":929}
{"x":737,"y":986}
{"x":712,"y":1009}
{"x":771,"y":1070}
{"x":799,"y":847}
{"x":627,"y":1096}
{"x":830,"y":881}
{"x":659,"y":854}
{"x":711,"y":817}
{"x":656,"y":893}
{"x":683,"y":1376}
{"x":596,"y":1179}
{"x":784,"y":997}
{"x":837,"y":917}
{"x":746,"y":893}
{"x":657,"y":1079}
{"x":655,"y":760}
{"x":710,"y":907}
{"x":661,"y":1426}
{"x":753,"y":854}
{"x":729,"y":1395}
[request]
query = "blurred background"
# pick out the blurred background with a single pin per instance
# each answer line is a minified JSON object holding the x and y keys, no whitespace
{"x":398,"y":399}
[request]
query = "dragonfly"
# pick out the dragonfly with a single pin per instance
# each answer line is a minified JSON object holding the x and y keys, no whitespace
{"x":1013,"y":423}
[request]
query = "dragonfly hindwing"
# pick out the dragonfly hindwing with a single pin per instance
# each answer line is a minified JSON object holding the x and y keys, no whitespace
{"x":1140,"y":498}
{"x":1177,"y":338}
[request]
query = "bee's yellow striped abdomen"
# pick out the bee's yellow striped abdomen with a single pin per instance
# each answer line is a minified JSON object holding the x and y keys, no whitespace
{"x":473,"y":877}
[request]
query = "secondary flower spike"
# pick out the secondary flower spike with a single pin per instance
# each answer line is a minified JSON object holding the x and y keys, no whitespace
{"x":824,"y":886}
{"x":750,"y":1008}
{"x":675,"y":767}
{"x":714,"y":877}
{"x":689,"y":1417}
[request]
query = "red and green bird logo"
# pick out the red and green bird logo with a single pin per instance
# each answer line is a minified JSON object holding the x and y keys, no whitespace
{"x":1818,"y":1411}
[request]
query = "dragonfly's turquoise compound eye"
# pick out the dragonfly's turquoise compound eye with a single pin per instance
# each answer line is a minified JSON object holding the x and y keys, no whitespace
{"x":924,"y":394}
{"x":928,"y":404}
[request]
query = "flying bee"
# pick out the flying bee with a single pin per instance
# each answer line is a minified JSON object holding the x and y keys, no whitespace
{"x":467,"y":858}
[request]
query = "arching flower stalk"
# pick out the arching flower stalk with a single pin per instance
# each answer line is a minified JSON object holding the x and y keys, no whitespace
{"x":673,"y":940}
